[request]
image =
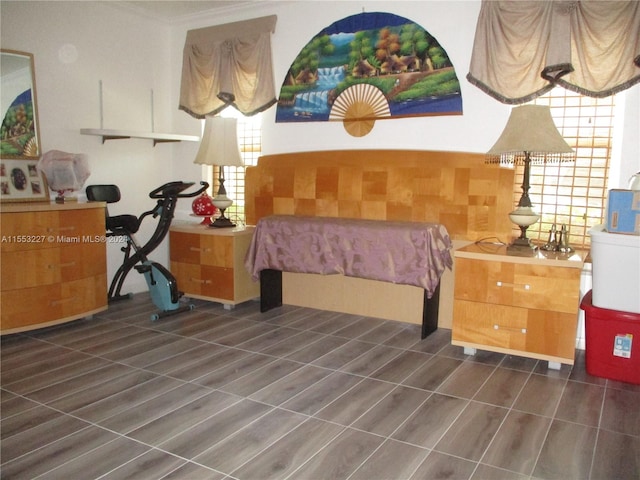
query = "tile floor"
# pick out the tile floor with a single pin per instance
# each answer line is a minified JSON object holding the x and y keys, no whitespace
{"x":300,"y":394}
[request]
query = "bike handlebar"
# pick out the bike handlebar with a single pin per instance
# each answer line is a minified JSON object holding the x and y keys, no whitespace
{"x":173,"y":189}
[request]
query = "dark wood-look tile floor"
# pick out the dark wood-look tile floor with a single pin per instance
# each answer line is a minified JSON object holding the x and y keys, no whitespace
{"x":300,"y":394}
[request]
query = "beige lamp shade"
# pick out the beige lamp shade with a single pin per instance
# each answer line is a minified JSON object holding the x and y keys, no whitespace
{"x":529,"y":136}
{"x":219,"y":145}
{"x":530,"y":129}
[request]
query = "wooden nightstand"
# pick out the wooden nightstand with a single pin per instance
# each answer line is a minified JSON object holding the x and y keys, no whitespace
{"x":208,"y":263}
{"x":525,"y":306}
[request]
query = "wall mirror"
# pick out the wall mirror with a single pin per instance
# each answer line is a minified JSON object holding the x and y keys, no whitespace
{"x":20,"y":180}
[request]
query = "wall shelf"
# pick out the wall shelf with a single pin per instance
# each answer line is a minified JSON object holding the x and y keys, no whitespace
{"x":108,"y":134}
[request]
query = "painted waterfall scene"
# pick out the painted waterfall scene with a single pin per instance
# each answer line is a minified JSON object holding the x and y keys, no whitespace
{"x":373,"y":65}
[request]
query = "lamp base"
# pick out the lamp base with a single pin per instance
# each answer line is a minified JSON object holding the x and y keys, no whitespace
{"x":523,"y":217}
{"x":522,"y":247}
{"x":222,"y":221}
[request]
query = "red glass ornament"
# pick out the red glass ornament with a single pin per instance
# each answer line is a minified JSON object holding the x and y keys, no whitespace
{"x":202,"y":206}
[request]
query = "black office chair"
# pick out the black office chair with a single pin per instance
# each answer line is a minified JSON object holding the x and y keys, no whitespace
{"x":117,"y":225}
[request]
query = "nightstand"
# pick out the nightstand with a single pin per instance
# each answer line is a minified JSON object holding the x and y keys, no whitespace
{"x":526,"y":306}
{"x":208,"y":263}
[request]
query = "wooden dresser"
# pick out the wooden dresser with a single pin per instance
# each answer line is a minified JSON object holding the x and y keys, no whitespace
{"x":525,"y":306}
{"x":54,"y":265}
{"x":208,"y":263}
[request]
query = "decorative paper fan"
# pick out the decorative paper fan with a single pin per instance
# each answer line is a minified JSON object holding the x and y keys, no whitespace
{"x":358,"y":107}
{"x":412,"y":77}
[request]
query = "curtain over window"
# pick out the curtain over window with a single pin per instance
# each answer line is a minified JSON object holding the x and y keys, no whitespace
{"x":523,"y":49}
{"x":226,"y":65}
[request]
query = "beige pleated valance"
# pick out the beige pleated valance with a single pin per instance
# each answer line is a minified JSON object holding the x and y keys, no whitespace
{"x":522,"y":49}
{"x":226,"y":65}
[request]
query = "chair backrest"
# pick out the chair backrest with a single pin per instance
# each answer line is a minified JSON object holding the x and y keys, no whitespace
{"x":103,"y":193}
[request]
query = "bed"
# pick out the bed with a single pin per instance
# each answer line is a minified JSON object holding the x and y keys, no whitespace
{"x":456,"y":190}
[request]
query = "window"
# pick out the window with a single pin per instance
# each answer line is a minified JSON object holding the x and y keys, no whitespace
{"x":250,"y":141}
{"x":574,"y":193}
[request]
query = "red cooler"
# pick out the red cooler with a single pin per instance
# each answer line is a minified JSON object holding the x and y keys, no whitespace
{"x":612,"y":342}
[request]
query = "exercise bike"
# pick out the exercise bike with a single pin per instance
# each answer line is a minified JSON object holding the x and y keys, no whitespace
{"x":162,"y":284}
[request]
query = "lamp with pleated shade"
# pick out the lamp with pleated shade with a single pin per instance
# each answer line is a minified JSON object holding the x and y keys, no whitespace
{"x":219,"y":147}
{"x":529,"y":136}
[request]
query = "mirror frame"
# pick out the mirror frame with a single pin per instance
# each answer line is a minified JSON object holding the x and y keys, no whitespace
{"x":20,"y":179}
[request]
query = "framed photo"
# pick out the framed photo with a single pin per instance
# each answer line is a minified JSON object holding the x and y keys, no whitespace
{"x":20,"y":180}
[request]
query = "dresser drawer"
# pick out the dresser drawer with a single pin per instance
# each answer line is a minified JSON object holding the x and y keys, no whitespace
{"x":86,"y":223}
{"x":185,"y":248}
{"x":201,"y":249}
{"x":517,"y":329}
{"x":515,"y":284}
{"x":492,"y":325}
{"x":204,"y":280}
{"x":38,"y":306}
{"x":28,"y":231}
{"x":50,"y":229}
{"x":31,"y":268}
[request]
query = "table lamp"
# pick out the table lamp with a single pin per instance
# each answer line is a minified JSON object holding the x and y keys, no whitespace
{"x":219,"y":147}
{"x":529,"y":136}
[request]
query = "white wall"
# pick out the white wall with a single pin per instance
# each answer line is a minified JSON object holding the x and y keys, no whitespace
{"x":132,"y":55}
{"x":452,"y":23}
{"x":76,"y":45}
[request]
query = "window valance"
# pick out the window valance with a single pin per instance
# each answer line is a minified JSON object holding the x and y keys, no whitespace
{"x":522,"y":49}
{"x":226,"y":65}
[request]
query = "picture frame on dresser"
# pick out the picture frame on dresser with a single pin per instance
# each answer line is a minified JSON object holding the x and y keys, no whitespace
{"x":20,"y":179}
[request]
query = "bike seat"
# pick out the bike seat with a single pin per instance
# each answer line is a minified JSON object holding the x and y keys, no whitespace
{"x":117,"y":224}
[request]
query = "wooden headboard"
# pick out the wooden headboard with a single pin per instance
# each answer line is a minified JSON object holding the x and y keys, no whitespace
{"x":457,"y":189}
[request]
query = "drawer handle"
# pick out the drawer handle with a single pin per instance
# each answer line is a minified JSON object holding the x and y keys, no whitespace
{"x":203,"y":282}
{"x":526,"y":286}
{"x":61,"y":229}
{"x":63,"y":300}
{"x":510,"y":329}
{"x":62,"y":265}
{"x":196,"y":249}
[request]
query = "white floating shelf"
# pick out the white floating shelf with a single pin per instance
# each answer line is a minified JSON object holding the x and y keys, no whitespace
{"x":107,"y":134}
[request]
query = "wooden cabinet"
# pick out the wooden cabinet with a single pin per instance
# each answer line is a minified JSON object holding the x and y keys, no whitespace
{"x":208,"y":263}
{"x":54,"y":266}
{"x":524,"y":306}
